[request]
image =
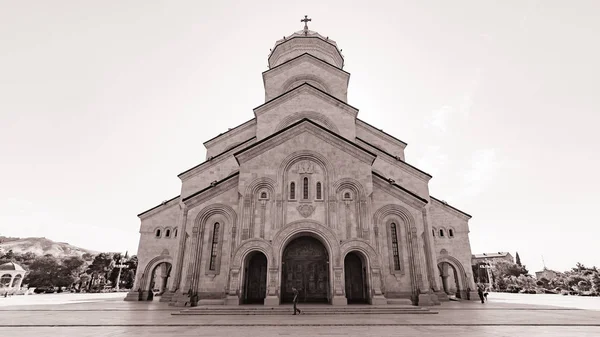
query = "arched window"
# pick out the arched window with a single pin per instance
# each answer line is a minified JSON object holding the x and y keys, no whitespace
{"x":305,"y":188}
{"x":5,"y":280}
{"x":347,"y":196}
{"x":395,"y":251}
{"x":292,"y":190}
{"x":263,"y":195}
{"x":451,"y":233}
{"x":158,"y":233}
{"x":215,"y":244}
{"x":441,"y":233}
{"x":319,"y":196}
{"x":167,"y":233}
{"x":16,"y":281}
{"x":433,"y":232}
{"x":175,"y":233}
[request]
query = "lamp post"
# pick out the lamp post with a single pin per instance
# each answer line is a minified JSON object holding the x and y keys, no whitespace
{"x":121,"y":265}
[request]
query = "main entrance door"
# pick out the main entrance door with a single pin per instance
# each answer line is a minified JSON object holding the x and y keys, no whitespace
{"x":306,"y":267}
{"x":355,"y":273}
{"x":255,"y":287}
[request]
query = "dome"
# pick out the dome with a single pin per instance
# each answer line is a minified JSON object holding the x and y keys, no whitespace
{"x":306,"y":41}
{"x":11,"y":266}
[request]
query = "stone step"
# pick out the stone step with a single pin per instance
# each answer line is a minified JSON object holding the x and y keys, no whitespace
{"x":324,"y":310}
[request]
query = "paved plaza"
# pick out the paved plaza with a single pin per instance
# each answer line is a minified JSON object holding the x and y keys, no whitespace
{"x":108,"y":315}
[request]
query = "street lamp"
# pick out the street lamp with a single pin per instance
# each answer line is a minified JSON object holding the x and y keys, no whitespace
{"x":121,"y":265}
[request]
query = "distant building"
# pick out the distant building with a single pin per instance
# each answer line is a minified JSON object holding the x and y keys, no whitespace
{"x":491,"y":258}
{"x":546,"y":273}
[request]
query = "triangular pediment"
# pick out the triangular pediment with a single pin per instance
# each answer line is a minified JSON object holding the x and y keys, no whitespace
{"x":297,"y":128}
{"x":309,"y":90}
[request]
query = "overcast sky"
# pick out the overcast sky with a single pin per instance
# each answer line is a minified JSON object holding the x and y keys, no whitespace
{"x":102,"y":104}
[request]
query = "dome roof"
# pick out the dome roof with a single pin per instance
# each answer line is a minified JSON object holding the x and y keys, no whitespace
{"x":306,"y":41}
{"x":11,"y":266}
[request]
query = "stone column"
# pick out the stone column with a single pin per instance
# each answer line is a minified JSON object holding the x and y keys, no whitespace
{"x":272,"y":299}
{"x":338,"y":287}
{"x":378,"y":298}
{"x":234,"y":291}
{"x":181,"y":249}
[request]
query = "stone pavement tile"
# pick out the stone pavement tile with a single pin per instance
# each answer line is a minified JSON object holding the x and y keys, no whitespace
{"x":447,"y":331}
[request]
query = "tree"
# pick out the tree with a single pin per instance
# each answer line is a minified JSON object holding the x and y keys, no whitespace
{"x":44,"y":272}
{"x":596,"y":281}
{"x":506,"y":268}
{"x":100,"y":268}
{"x":518,"y":258}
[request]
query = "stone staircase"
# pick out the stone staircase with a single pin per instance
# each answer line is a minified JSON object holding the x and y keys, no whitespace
{"x":306,"y":309}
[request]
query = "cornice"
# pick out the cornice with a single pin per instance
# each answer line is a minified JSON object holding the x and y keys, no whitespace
{"x":212,"y":161}
{"x":380,"y":133}
{"x":398,"y":191}
{"x":305,"y":88}
{"x":452,"y":210}
{"x":214,"y":189}
{"x":391,"y":159}
{"x":231,"y":132}
{"x":305,"y":125}
{"x":159,"y":208}
{"x":310,"y":58}
{"x":286,"y":40}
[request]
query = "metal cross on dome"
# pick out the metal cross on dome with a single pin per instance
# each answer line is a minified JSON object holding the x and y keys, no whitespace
{"x":305,"y":20}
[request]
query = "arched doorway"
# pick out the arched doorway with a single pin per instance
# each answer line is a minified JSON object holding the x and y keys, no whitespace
{"x":305,"y":265}
{"x":450,"y":280}
{"x":255,"y":278}
{"x":158,"y":280}
{"x":355,"y":274}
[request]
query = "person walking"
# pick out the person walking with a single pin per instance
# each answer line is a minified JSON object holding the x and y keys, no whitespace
{"x":295,"y":301}
{"x":480,"y":292}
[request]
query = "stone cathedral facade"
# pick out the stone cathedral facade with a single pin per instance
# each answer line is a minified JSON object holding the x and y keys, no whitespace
{"x":304,"y":195}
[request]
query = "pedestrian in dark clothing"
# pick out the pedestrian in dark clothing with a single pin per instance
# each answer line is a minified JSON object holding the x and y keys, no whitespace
{"x":480,"y":293}
{"x":295,"y":301}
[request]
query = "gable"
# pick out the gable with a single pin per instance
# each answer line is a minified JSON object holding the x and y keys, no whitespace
{"x":305,"y":101}
{"x":305,"y":126}
{"x":306,"y":68}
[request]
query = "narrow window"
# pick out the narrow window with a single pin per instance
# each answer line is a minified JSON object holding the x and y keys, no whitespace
{"x":215,"y":243}
{"x":263,"y":195}
{"x":433,"y":232}
{"x":175,"y":233}
{"x":395,"y":246}
{"x":158,"y":233}
{"x":167,"y":233}
{"x":451,"y":233}
{"x":292,"y":190}
{"x":305,"y":188}
{"x":319,"y":190}
{"x":441,"y":233}
{"x":347,"y":195}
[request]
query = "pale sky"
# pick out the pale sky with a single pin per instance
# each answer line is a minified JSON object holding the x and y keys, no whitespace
{"x":102,"y":104}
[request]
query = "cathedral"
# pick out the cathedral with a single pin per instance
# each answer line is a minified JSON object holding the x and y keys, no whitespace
{"x":306,"y":195}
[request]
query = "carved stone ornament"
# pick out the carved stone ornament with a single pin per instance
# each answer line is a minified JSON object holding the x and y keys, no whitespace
{"x":306,"y":166}
{"x":306,"y":210}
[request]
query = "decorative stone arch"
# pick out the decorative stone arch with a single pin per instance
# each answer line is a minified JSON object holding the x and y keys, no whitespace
{"x":463,"y":283}
{"x":328,"y":177}
{"x":296,"y":81}
{"x":306,"y":227}
{"x":144,"y":283}
{"x":363,"y":247}
{"x":315,"y":116}
{"x":410,"y":239}
{"x":442,"y":229}
{"x":259,"y":184}
{"x":351,"y":184}
{"x":249,"y":246}
{"x":329,"y":240}
{"x":199,"y":231}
